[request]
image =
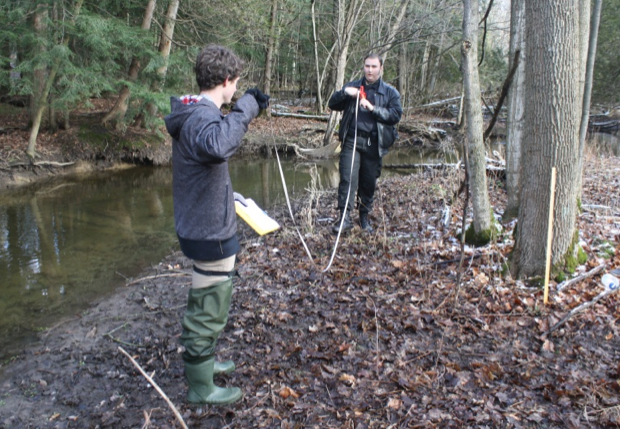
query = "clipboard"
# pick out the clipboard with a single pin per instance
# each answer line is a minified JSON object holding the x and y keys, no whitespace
{"x":254,"y":216}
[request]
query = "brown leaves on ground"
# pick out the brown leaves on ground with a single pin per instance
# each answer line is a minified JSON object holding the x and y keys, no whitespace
{"x":385,"y":339}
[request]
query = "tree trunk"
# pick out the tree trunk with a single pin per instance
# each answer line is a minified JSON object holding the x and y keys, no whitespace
{"x":165,"y":45}
{"x":117,"y":113}
{"x":403,"y":72}
{"x":40,"y":71}
{"x":347,"y":19}
{"x":270,"y":50}
{"x":587,"y":92}
{"x":36,"y":123}
{"x":388,"y":41}
{"x":482,"y":219}
{"x":551,"y":127}
{"x":319,"y":80}
{"x":424,"y":66}
{"x":434,"y":71}
{"x":516,"y":110}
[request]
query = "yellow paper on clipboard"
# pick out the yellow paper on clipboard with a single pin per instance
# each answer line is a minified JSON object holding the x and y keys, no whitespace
{"x":254,"y":216}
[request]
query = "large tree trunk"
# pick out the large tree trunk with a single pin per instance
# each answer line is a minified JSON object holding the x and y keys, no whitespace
{"x":552,"y":113}
{"x":117,"y":114}
{"x":482,"y":217}
{"x":41,"y":104}
{"x":516,"y":110}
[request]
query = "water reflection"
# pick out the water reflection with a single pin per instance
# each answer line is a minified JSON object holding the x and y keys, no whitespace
{"x":68,"y":242}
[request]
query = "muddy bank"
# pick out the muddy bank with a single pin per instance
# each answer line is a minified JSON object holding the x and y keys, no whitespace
{"x":385,"y":338}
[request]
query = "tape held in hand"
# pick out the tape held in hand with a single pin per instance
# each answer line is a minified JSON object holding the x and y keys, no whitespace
{"x":362,"y":92}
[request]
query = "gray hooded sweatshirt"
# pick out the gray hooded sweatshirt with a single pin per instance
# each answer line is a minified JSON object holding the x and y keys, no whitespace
{"x":203,"y":141}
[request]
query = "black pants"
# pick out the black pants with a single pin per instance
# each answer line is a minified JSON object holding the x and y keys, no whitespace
{"x":366,"y":170}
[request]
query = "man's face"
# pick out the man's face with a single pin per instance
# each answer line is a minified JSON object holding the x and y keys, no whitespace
{"x":372,"y":70}
{"x":229,"y":90}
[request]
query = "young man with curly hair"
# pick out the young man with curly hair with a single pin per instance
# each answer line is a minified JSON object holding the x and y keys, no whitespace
{"x":204,"y":210}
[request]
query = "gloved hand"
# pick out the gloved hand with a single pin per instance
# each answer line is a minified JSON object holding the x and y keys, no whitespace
{"x":261,"y":99}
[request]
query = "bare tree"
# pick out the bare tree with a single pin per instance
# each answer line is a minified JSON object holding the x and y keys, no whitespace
{"x":347,"y":16}
{"x":516,"y":110}
{"x":165,"y":45}
{"x":271,"y":46}
{"x":587,"y":92}
{"x":117,"y":113}
{"x":42,"y":97}
{"x":315,"y":40}
{"x":483,"y":221}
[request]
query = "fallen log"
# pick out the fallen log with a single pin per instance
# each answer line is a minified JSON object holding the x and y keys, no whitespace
{"x":438,"y":166}
{"x":441,"y":166}
{"x":299,"y":115}
{"x":39,"y":163}
{"x":435,"y":103}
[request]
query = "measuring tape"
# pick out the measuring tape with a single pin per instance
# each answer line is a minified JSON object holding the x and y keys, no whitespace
{"x":362,"y":94}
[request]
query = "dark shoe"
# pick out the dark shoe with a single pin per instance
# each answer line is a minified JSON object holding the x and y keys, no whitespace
{"x":346,"y":226}
{"x":202,"y":390}
{"x":365,"y":222}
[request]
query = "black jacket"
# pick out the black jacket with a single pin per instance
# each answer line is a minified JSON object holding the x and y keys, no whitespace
{"x":204,"y":207}
{"x":387,"y":112}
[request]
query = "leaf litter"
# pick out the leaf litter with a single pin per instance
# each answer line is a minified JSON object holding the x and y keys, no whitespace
{"x":385,"y":339}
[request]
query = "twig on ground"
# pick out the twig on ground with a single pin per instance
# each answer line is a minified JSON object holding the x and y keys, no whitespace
{"x":578,"y":309}
{"x":161,"y":392}
{"x":577,"y":279}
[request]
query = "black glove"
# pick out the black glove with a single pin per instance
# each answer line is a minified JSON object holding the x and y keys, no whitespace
{"x":261,"y":99}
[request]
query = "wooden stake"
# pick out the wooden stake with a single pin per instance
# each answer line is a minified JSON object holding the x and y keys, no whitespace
{"x":549,"y":235}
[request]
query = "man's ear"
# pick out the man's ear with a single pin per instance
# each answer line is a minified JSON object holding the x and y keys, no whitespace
{"x":226,"y":81}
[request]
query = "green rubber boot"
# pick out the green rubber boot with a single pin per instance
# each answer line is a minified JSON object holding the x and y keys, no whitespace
{"x":204,"y":320}
{"x":225,"y":367}
{"x":202,"y":390}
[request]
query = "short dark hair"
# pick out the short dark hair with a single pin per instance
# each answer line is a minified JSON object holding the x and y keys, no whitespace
{"x":377,"y":56}
{"x":214,"y":64}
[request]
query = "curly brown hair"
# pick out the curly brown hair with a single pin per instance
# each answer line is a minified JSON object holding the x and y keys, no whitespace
{"x":214,"y":64}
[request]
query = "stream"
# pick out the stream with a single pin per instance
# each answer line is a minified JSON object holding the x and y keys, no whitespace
{"x":70,"y":241}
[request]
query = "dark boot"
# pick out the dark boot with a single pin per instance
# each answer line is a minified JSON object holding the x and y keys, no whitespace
{"x":346,"y":226}
{"x":365,"y":222}
{"x":202,"y":390}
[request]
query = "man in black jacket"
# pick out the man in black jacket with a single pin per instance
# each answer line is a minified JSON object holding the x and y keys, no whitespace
{"x":367,"y":131}
{"x":204,"y":210}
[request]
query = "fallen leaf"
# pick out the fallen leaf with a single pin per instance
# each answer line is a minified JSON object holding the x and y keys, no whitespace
{"x":286,"y":391}
{"x":394,"y":403}
{"x":548,"y":346}
{"x":349,"y":379}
